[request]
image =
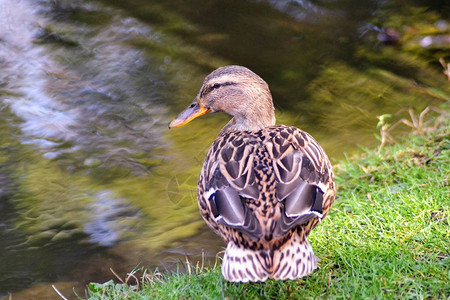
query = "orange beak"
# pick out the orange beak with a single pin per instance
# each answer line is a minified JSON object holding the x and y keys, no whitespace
{"x":195,"y":110}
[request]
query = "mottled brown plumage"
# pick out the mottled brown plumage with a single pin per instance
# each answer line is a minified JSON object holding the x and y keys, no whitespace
{"x":262,"y":188}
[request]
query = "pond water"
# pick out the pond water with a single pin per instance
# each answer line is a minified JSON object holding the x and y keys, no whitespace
{"x":90,"y":176}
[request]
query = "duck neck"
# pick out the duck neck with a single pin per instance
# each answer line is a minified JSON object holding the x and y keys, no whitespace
{"x":258,"y":122}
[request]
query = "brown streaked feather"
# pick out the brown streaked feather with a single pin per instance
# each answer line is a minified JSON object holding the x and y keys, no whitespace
{"x":279,"y":171}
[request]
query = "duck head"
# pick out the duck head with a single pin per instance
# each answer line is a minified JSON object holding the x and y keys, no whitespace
{"x":236,"y":91}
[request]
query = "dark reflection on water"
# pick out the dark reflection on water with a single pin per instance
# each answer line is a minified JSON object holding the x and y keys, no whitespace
{"x":90,"y":176}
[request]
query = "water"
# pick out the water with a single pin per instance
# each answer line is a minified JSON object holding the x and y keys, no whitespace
{"x":90,"y":176}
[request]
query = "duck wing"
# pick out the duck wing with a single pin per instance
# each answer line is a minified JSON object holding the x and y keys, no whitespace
{"x":229,"y":179}
{"x":302,"y":171}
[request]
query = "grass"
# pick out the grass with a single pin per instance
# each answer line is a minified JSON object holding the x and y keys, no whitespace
{"x":386,"y":237}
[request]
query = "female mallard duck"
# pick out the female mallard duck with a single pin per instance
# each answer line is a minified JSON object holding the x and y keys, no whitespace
{"x":262,"y":188}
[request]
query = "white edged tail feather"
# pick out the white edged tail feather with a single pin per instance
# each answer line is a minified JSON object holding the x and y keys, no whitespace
{"x":243,"y":265}
{"x":293,"y":260}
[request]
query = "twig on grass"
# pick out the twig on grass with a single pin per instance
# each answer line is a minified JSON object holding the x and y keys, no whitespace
{"x":56,"y":290}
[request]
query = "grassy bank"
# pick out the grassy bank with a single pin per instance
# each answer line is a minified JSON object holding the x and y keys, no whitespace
{"x":387,"y":235}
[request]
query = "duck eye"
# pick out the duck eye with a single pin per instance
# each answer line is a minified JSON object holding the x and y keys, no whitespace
{"x":215,"y":86}
{"x":192,"y":105}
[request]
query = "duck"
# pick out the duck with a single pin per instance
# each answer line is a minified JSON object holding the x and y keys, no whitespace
{"x":262,"y":187}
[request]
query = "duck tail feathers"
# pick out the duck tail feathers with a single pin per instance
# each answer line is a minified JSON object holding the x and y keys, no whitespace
{"x":244,"y":265}
{"x":293,"y":260}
